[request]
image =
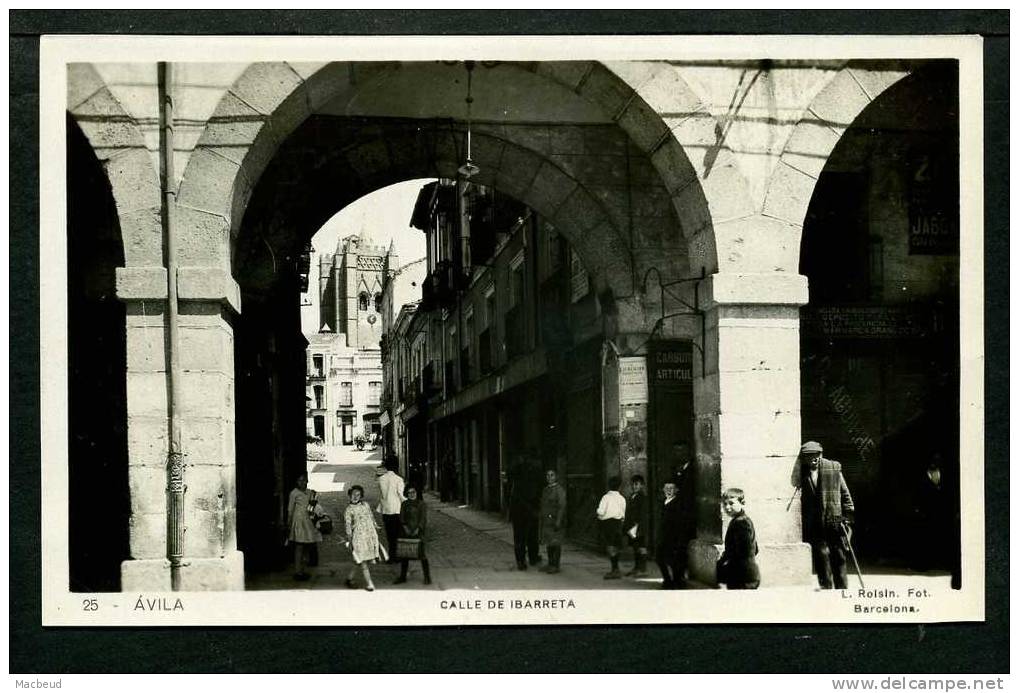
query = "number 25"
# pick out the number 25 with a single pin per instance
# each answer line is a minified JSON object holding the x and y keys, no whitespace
{"x":89,"y":605}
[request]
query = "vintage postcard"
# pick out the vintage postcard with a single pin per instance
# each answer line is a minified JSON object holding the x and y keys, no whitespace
{"x":511,"y":330}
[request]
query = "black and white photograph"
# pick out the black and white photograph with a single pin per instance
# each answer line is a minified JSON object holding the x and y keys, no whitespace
{"x":511,"y":330}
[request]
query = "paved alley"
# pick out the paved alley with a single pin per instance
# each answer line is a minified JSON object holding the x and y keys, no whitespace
{"x":467,"y":549}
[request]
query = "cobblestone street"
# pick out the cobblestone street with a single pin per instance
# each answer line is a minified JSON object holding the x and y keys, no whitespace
{"x":467,"y":549}
{"x":473,"y":550}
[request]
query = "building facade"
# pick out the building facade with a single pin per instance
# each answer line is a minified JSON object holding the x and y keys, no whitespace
{"x":401,"y":292}
{"x":508,"y":358}
{"x":344,"y":391}
{"x":344,"y":368}
{"x":788,"y":229}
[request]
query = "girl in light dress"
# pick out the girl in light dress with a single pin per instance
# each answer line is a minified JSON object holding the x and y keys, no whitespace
{"x":362,"y":536}
{"x":301,"y":528}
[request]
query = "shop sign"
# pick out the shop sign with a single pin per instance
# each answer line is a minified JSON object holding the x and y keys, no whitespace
{"x":671,"y":363}
{"x":867,"y":322}
{"x":632,"y":380}
{"x":933,"y":211}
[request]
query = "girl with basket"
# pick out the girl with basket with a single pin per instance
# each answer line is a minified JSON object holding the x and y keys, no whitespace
{"x":413,"y":524}
{"x":302,"y":530}
{"x":362,"y":536}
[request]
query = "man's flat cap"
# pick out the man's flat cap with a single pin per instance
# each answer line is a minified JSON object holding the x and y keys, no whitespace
{"x":810,"y":447}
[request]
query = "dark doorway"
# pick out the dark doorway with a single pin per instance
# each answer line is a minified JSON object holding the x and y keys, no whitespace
{"x":670,"y":414}
{"x":585,"y":469}
{"x":879,"y":338}
{"x":493,"y":485}
{"x":99,"y":502}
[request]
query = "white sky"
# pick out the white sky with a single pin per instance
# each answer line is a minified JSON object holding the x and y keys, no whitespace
{"x":386,"y":213}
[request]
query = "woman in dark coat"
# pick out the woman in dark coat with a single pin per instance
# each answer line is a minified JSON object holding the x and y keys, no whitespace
{"x":414,"y":525}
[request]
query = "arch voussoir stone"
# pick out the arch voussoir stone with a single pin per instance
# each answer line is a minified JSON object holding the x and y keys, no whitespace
{"x":82,"y":82}
{"x":267,"y":86}
{"x":580,"y":210}
{"x":818,"y":131}
{"x":551,"y":187}
{"x":605,"y":89}
{"x":210,"y":188}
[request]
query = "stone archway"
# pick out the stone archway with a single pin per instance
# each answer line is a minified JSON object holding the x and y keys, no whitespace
{"x":113,"y":229}
{"x":851,"y":90}
{"x":319,"y":167}
{"x":752,"y":307}
{"x":119,"y":145}
{"x":647,"y":100}
{"x":879,"y":337}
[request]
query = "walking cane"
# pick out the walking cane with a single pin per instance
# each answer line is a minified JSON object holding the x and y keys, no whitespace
{"x":852,"y":554}
{"x":792,"y":498}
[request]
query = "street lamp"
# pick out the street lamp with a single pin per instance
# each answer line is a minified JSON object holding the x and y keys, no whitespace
{"x":469,"y":168}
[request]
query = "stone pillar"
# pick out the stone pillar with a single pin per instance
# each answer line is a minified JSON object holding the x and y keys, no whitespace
{"x":208,"y":298}
{"x":747,"y":427}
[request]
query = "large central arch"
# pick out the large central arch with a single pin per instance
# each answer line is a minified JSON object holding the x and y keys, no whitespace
{"x":270,"y":100}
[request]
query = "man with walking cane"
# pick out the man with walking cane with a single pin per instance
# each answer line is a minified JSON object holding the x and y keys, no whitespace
{"x":827,"y":516}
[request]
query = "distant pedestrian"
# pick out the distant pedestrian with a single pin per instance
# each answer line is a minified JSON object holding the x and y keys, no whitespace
{"x":301,"y":528}
{"x":553,"y":520}
{"x":737,"y":568}
{"x":362,"y":537}
{"x":525,"y":484}
{"x":610,"y":513}
{"x":636,"y":524}
{"x":827,"y":515}
{"x":935,"y":533}
{"x":391,"y":498}
{"x":414,"y":526}
{"x":670,"y":544}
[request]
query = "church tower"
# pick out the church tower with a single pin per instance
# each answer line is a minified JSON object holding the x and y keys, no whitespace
{"x":350,"y":287}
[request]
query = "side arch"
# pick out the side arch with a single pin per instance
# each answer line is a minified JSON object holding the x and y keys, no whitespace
{"x":819,"y":129}
{"x":120,"y":147}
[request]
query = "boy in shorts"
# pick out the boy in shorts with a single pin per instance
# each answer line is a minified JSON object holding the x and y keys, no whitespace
{"x":611,"y":511}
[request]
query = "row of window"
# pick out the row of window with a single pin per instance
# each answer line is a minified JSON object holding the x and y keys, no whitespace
{"x":347,"y":394}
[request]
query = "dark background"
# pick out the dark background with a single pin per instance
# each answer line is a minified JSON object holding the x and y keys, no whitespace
{"x":956,"y":648}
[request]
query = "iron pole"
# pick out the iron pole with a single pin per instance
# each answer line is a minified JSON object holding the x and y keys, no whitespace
{"x":175,"y":487}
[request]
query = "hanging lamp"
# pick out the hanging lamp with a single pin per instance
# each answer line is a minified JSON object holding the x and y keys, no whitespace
{"x":469,"y":168}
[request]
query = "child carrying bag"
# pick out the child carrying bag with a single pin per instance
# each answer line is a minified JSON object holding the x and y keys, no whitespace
{"x":324,"y":524}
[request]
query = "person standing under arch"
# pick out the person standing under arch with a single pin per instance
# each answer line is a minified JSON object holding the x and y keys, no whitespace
{"x":553,"y":520}
{"x":391,"y":500}
{"x":827,"y":515}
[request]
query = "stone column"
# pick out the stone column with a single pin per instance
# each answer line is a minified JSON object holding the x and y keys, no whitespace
{"x":747,"y":427}
{"x":208,"y":299}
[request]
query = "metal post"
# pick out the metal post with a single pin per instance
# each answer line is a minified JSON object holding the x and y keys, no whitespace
{"x":175,"y":486}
